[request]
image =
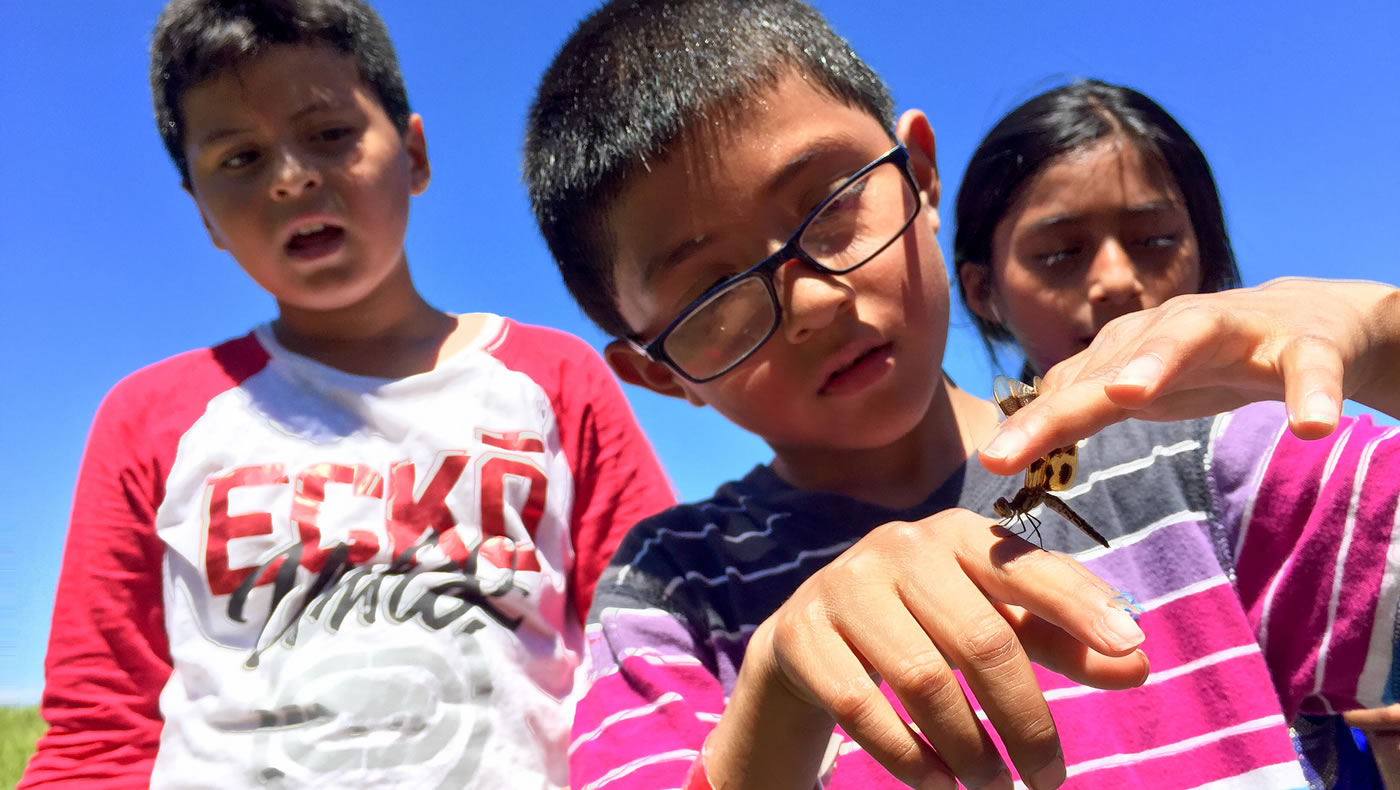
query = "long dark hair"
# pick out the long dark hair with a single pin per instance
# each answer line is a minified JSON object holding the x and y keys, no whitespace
{"x":1070,"y":118}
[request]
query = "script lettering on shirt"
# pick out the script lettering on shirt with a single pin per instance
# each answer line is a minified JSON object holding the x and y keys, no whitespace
{"x":418,"y":526}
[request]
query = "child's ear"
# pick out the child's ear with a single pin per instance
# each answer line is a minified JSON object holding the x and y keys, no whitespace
{"x":915,"y":132}
{"x":976,"y":282}
{"x":636,"y":369}
{"x":213,"y":235}
{"x":417,"y":146}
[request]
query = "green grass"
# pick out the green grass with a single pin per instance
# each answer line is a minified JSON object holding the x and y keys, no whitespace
{"x":19,"y":729}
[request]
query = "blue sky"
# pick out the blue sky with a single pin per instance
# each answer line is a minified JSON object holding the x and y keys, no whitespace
{"x":107,"y":267}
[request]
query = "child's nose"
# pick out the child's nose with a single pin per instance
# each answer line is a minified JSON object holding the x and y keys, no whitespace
{"x":1113,"y":279}
{"x":813,"y":299}
{"x":293,"y":176}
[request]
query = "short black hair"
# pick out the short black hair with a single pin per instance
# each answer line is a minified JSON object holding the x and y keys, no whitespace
{"x":195,"y":40}
{"x":631,"y":80}
{"x":1070,"y":118}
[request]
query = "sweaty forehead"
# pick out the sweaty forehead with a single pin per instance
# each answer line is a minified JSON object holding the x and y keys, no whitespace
{"x":1109,"y":179}
{"x":731,"y":179}
{"x":1110,"y":169}
{"x":324,"y":78}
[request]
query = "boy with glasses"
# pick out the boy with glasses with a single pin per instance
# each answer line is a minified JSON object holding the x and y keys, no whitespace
{"x":802,"y":627}
{"x":354,"y":547}
{"x":847,"y":228}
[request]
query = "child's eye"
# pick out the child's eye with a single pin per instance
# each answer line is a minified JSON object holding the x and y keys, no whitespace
{"x":718,"y":283}
{"x":849,"y":198}
{"x":1058,"y":257}
{"x":334,"y":133}
{"x":840,"y":223}
{"x":1163,"y":240}
{"x":691,"y":297}
{"x":239,"y":160}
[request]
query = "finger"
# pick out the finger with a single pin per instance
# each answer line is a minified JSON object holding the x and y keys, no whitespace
{"x":1374,"y":719}
{"x":1053,"y":648}
{"x":1057,"y":417}
{"x":1153,"y":348}
{"x":900,"y":651}
{"x":1082,"y":409}
{"x":829,"y":670}
{"x":1144,"y":377}
{"x":1312,"y":370}
{"x":980,"y":642}
{"x":1052,"y":586}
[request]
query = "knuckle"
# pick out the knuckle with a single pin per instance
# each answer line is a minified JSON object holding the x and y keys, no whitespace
{"x":848,"y":570}
{"x":852,"y":704}
{"x":1196,"y":312}
{"x":1033,"y":732}
{"x":906,"y":752}
{"x":1117,"y":330}
{"x":926,"y":674}
{"x":899,"y":534}
{"x":798,"y":620}
{"x":1311,"y":343}
{"x":988,"y":644}
{"x":1123,"y":324}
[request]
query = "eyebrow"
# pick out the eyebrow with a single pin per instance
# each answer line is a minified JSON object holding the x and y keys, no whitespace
{"x":313,"y":106}
{"x":1141,"y":210}
{"x":785,"y":175}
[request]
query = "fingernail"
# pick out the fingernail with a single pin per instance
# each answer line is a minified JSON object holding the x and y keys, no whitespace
{"x":1119,"y":630}
{"x":1051,"y":775}
{"x":1008,"y":442}
{"x":1318,"y":407}
{"x":1141,"y":372}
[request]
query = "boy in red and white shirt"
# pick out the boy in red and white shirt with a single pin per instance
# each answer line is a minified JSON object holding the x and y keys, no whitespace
{"x":354,"y":547}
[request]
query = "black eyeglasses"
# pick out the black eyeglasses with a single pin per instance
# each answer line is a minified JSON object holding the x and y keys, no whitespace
{"x":853,"y":224}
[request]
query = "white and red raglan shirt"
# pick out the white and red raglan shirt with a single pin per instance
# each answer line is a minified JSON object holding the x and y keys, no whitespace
{"x":282,"y":575}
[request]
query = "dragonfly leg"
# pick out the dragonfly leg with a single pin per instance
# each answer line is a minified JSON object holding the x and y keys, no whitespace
{"x":1018,"y":523}
{"x":1035,"y":528}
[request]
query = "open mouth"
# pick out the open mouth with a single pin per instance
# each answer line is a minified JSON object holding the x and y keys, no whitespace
{"x":315,"y":241}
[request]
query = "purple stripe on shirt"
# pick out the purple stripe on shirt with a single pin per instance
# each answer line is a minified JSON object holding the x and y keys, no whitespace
{"x":1169,"y":559}
{"x":1236,"y":462}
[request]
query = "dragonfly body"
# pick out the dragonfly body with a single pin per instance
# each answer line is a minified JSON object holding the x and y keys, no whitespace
{"x":1054,"y":471}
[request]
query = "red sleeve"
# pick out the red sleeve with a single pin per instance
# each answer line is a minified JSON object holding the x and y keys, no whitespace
{"x":108,"y":655}
{"x":618,"y":480}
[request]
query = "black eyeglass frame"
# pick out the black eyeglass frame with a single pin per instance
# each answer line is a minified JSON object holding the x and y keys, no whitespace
{"x":655,"y":350}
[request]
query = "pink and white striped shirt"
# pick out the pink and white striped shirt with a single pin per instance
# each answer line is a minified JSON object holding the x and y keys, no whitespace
{"x":1267,"y":568}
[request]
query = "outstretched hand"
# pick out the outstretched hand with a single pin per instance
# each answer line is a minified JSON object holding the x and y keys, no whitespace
{"x":908,"y":604}
{"x":1309,"y":343}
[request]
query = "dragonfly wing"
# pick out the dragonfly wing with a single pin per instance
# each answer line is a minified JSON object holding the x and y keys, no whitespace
{"x":1038,"y":473}
{"x":1011,"y":394}
{"x":1064,"y":466}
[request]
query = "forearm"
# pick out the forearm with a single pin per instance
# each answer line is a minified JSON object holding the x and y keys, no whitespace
{"x":767,"y":738}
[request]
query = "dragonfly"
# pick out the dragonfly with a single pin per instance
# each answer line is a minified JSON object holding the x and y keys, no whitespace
{"x":1054,"y":471}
